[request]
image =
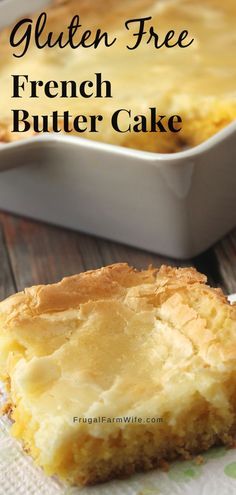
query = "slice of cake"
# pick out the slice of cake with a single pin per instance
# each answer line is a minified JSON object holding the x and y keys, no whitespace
{"x":117,"y":370}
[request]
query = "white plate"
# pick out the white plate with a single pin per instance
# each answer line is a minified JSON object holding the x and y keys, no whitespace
{"x":216,"y":476}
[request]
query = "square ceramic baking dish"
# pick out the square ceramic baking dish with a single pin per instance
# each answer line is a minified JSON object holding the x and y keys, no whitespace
{"x":173,"y":204}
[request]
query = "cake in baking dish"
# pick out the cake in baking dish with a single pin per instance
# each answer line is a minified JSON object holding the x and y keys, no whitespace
{"x":117,"y":370}
{"x":196,"y":83}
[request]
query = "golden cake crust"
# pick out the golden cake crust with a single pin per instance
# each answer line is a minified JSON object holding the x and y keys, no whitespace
{"x":107,"y":282}
{"x":114,"y":284}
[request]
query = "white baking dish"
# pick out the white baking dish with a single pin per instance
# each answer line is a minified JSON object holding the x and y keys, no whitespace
{"x":173,"y":204}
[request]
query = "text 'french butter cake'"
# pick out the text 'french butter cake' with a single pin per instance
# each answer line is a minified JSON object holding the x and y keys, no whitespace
{"x":117,"y":370}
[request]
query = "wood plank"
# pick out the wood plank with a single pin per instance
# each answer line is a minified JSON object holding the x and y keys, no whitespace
{"x":225,"y":252}
{"x":42,"y":254}
{"x":7,"y":283}
{"x":113,"y":252}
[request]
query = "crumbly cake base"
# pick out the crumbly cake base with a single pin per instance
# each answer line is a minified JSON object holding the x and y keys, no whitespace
{"x":126,"y":456}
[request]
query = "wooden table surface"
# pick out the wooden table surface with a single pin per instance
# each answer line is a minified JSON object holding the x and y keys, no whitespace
{"x":36,"y":253}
